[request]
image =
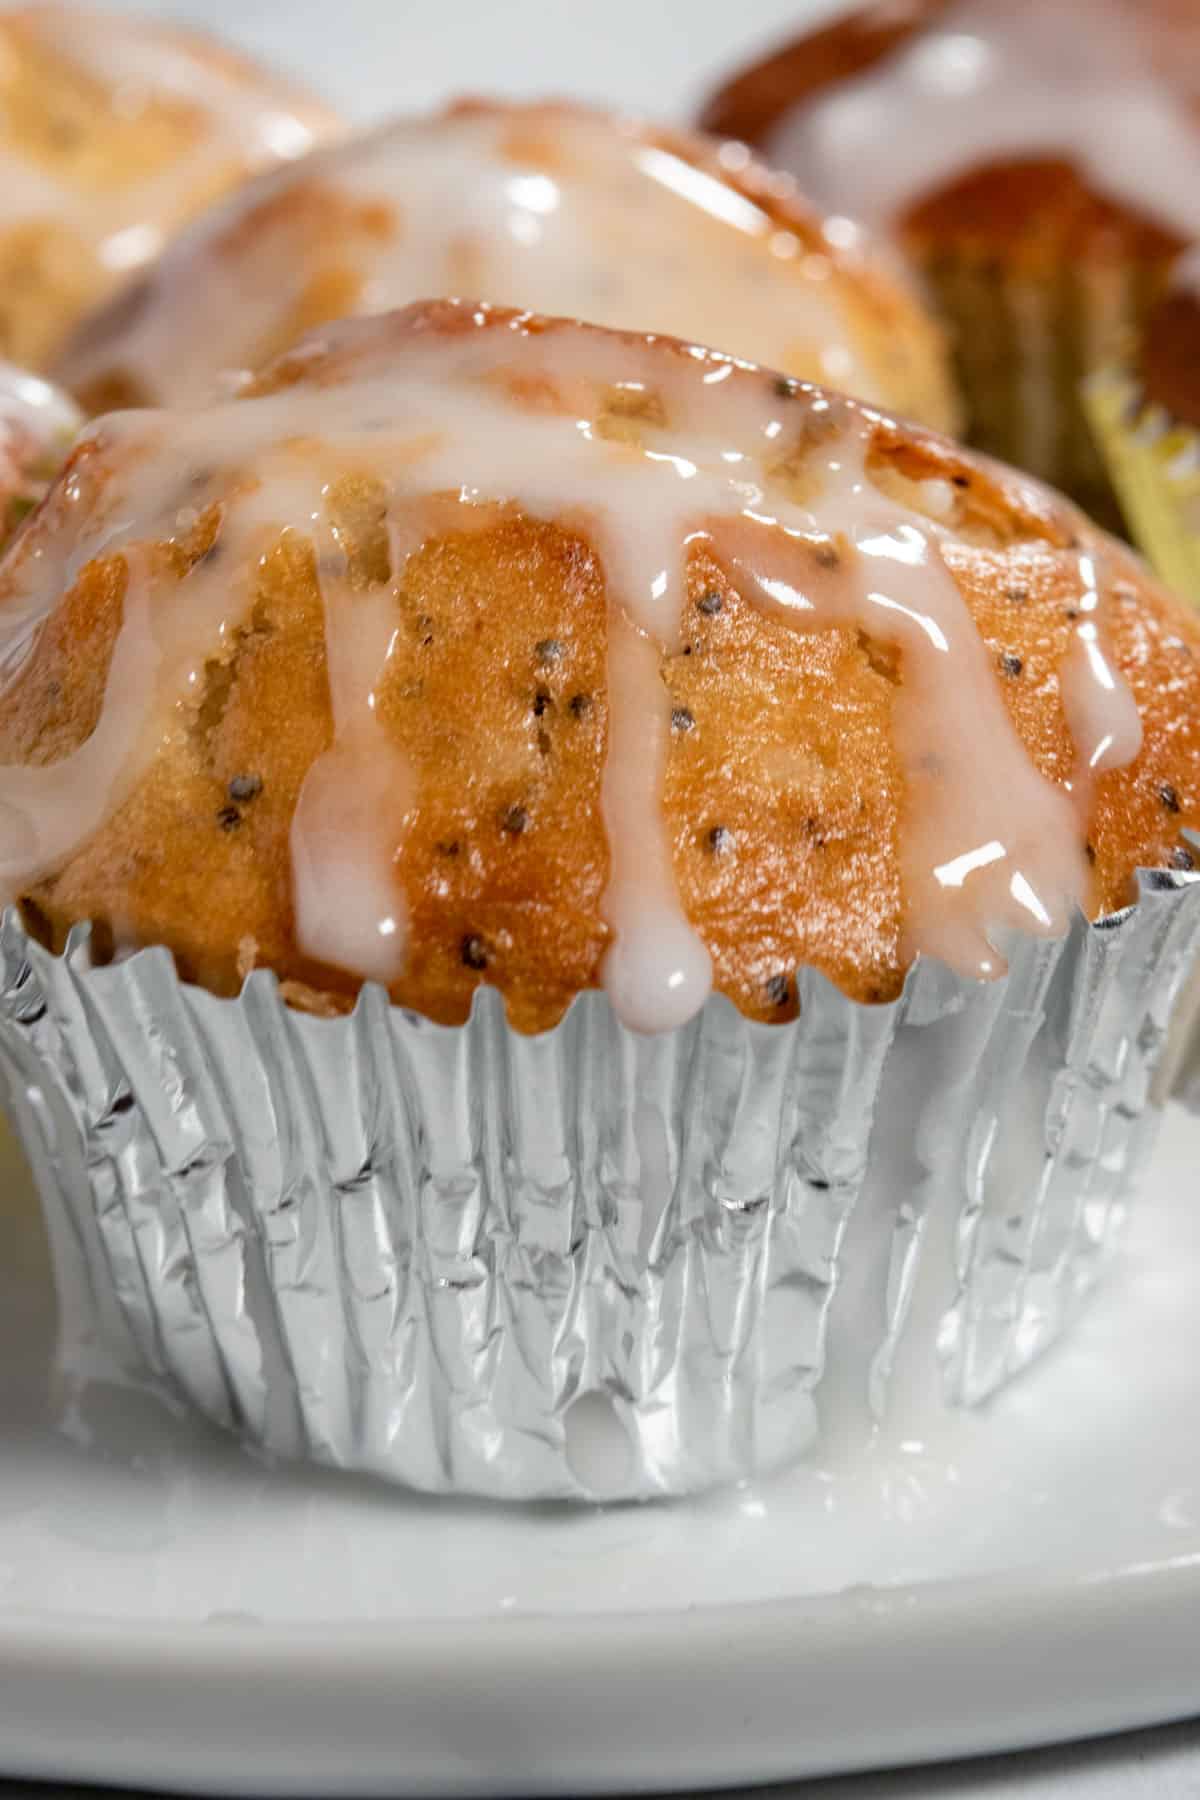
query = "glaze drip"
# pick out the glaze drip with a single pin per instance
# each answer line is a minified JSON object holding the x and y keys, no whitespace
{"x":648,"y":449}
{"x":1100,"y":709}
{"x":350,"y":815}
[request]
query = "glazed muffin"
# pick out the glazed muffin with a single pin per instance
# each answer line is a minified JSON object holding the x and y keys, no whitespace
{"x":1037,"y":159}
{"x":551,"y":207}
{"x":714,"y":775}
{"x":114,"y":131}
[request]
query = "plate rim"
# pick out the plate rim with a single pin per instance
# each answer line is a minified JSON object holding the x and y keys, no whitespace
{"x":945,"y":1646}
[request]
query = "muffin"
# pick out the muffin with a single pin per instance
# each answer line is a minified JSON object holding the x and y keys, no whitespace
{"x":1038,"y":160}
{"x":552,"y":207}
{"x":114,"y":131}
{"x":1144,"y":411}
{"x":571,"y":890}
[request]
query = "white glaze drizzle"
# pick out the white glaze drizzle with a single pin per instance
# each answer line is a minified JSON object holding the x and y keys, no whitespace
{"x":351,"y":811}
{"x":239,"y":119}
{"x":561,"y":211}
{"x":1102,"y":716}
{"x":657,"y":972}
{"x":502,"y":413}
{"x":1113,"y":86}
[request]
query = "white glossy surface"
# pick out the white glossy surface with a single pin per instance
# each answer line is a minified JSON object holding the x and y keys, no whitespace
{"x":983,"y":1580}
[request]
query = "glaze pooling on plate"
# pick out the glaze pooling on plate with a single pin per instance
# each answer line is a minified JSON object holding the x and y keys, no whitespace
{"x":1113,"y":86}
{"x":554,"y":208}
{"x":651,"y":449}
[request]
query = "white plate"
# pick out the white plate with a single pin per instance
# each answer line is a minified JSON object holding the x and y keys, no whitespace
{"x":174,"y":1613}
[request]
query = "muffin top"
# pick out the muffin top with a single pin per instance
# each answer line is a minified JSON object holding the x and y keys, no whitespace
{"x":469,"y":646}
{"x":553,"y":207}
{"x":978,"y":116}
{"x":112,"y":131}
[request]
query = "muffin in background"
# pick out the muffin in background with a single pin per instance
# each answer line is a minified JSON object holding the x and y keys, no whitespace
{"x":553,"y":875}
{"x":37,"y":426}
{"x":113,"y":131}
{"x":552,"y":207}
{"x":1037,"y":160}
{"x":1144,"y":411}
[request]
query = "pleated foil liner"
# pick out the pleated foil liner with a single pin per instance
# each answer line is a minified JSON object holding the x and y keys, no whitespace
{"x":589,"y":1264}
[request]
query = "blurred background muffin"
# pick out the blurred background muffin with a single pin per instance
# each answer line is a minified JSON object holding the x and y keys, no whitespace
{"x":113,"y":131}
{"x":553,"y":207}
{"x":1144,"y":411}
{"x":1039,"y":160}
{"x":37,"y":426}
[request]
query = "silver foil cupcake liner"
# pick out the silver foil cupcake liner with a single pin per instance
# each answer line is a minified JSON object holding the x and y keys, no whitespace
{"x":589,"y":1264}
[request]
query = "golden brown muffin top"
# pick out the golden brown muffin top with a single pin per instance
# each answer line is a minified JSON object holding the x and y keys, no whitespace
{"x":470,"y":646}
{"x":112,"y":131}
{"x":1076,"y":118}
{"x":549,"y":206}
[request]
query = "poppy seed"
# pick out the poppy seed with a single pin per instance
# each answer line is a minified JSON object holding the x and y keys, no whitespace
{"x":473,"y":953}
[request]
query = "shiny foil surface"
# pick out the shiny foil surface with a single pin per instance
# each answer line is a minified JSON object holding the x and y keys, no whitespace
{"x":591,"y":1264}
